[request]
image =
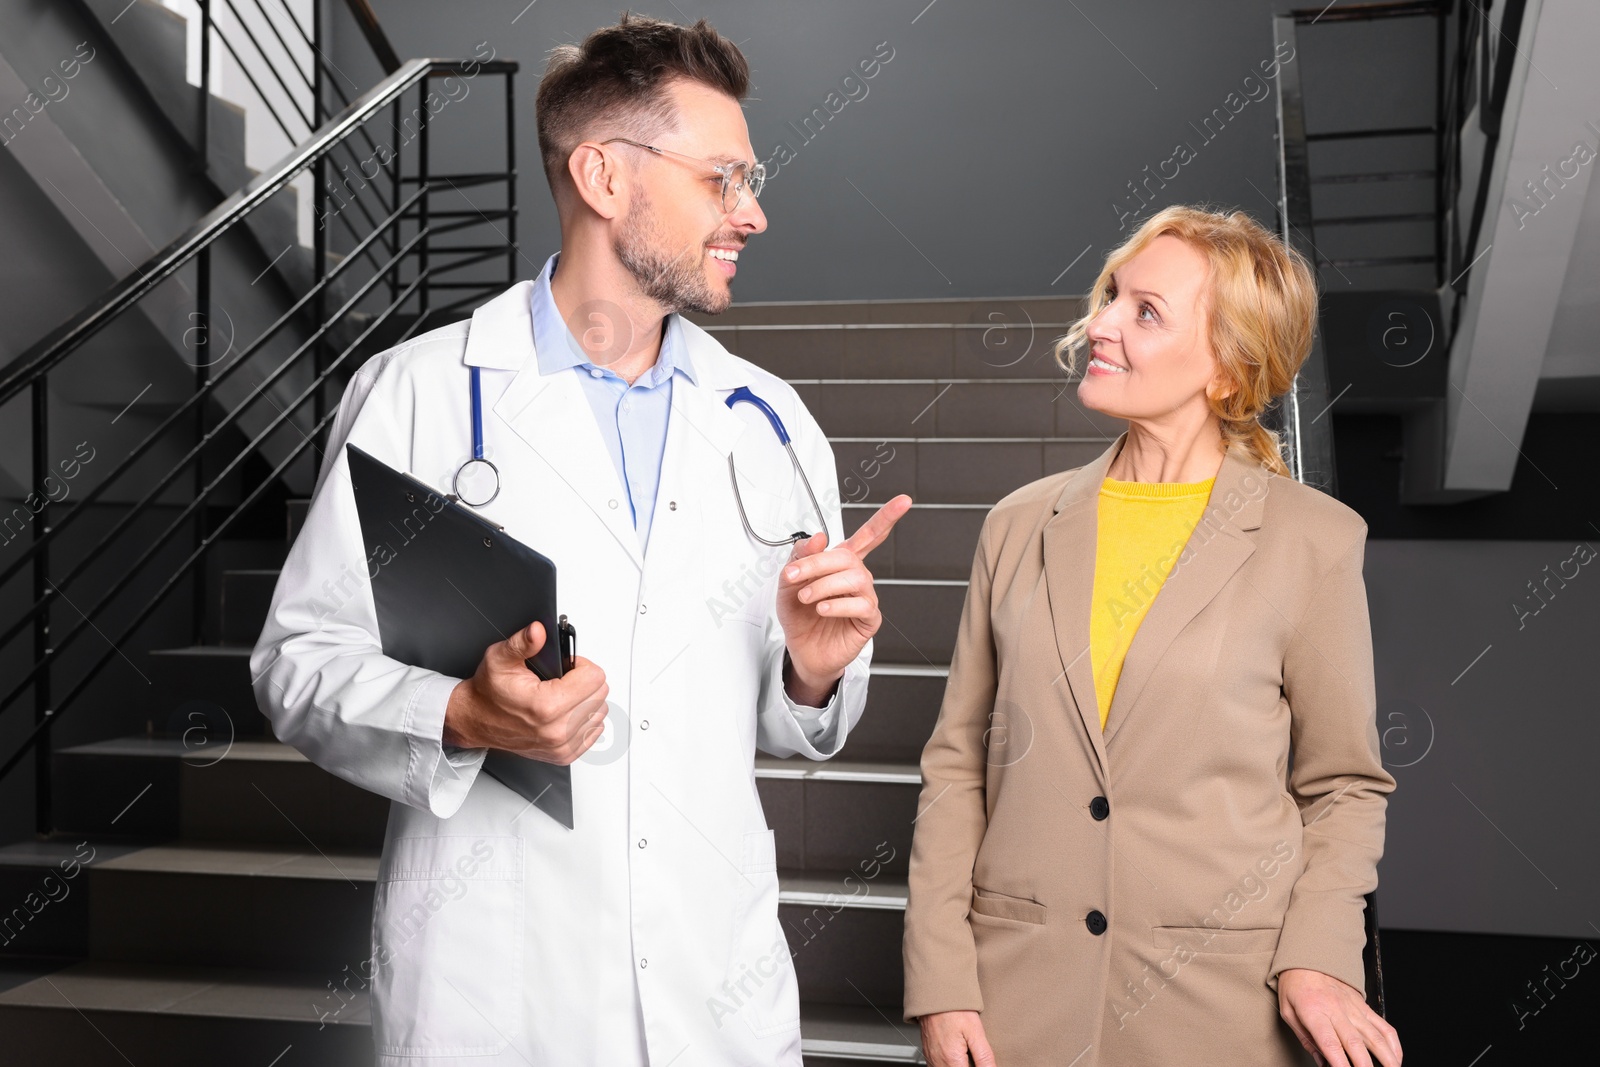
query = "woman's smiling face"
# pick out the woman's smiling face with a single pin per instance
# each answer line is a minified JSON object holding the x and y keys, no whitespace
{"x":1150,"y":347}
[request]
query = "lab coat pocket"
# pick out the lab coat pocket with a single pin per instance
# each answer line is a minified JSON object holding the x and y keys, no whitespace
{"x":759,"y":985}
{"x":447,"y":932}
{"x":760,"y":852}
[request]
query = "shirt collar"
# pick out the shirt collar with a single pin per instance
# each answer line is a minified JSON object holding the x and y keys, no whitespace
{"x":556,"y":348}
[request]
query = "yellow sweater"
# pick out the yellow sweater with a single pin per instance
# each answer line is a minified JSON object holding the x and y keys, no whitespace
{"x":1143,"y":528}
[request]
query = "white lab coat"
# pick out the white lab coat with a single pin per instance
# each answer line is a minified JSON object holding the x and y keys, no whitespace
{"x":649,"y":934}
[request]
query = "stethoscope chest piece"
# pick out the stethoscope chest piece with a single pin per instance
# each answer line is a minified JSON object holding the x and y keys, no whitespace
{"x":477,"y":482}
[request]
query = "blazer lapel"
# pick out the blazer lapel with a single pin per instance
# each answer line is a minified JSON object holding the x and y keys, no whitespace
{"x":1215,"y":551}
{"x":1069,"y":550}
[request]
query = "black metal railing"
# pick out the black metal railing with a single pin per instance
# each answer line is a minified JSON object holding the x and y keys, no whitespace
{"x":1482,"y":82}
{"x":1296,"y":176}
{"x":258,"y":409}
{"x":1471,"y":58}
{"x":1472,"y":62}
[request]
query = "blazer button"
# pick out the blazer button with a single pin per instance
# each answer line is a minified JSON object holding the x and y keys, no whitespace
{"x":1096,"y":923}
{"x":1099,"y":808}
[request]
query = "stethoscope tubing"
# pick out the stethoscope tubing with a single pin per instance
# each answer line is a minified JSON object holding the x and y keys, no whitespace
{"x":742,"y":394}
{"x":477,"y":448}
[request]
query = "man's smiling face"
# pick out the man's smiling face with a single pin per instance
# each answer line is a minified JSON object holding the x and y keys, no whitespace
{"x":676,"y":240}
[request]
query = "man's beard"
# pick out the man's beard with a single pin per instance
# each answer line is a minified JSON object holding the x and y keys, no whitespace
{"x":672,"y":277}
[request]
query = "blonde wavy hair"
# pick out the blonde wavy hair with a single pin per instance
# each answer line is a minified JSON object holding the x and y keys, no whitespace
{"x":1261,"y":316}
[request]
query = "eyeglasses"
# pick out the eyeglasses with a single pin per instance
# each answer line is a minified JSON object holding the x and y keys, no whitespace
{"x":735,"y":176}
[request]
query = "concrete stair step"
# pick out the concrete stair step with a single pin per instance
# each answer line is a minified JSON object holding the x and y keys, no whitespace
{"x":1018,"y":349}
{"x":920,"y":619}
{"x":187,"y":1016}
{"x":987,"y":311}
{"x":835,"y":815}
{"x":931,"y":541}
{"x":953,"y":407}
{"x":203,"y":687}
{"x":179,"y":1015}
{"x":838,"y":1034}
{"x":921,"y":616}
{"x":309,"y":909}
{"x":246,"y":596}
{"x":153,"y":41}
{"x":202,"y":786}
{"x":262,"y":793}
{"x":830,"y":815}
{"x":953,"y":470}
{"x":242,"y":906}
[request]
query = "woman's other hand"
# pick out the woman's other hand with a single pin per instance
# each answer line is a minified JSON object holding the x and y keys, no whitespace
{"x":1332,"y":1021}
{"x":949,"y":1036}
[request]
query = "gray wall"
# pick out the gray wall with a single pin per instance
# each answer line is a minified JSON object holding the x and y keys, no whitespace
{"x":1488,"y":707}
{"x":981,"y":160}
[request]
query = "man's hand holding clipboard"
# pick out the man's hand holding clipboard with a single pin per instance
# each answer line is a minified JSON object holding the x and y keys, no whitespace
{"x":506,"y":706}
{"x":449,"y":586}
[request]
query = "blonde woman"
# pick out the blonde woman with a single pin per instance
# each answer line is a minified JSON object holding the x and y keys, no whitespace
{"x":1117,"y":860}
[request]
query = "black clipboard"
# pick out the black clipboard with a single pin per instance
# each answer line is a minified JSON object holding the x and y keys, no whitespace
{"x":447,"y":584}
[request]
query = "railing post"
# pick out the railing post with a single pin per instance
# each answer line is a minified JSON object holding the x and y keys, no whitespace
{"x":1441,"y":216}
{"x":511,"y":180}
{"x":204,"y":132}
{"x":319,"y":239}
{"x":396,"y":272}
{"x":41,"y":591}
{"x":1306,"y":416}
{"x":422,"y":201}
{"x":202,"y":373}
{"x":202,"y":347}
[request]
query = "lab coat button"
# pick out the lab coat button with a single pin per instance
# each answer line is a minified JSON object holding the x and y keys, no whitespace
{"x":644,"y":963}
{"x":644,"y":724}
{"x":643,"y":608}
{"x":611,"y":503}
{"x":643,"y":842}
{"x":1100,"y":808}
{"x":1096,"y":923}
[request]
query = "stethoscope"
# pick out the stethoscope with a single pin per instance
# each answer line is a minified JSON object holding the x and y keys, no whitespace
{"x":743,"y":394}
{"x":477,"y":481}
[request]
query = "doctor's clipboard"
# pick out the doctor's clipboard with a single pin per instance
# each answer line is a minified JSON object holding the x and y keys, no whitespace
{"x":447,"y":584}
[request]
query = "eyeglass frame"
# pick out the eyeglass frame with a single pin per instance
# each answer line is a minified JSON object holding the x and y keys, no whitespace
{"x":755,"y":173}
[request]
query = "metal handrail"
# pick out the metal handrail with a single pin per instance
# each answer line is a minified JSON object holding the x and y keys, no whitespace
{"x":1310,"y":435}
{"x":65,"y":339}
{"x":195,"y":399}
{"x":404,"y":233}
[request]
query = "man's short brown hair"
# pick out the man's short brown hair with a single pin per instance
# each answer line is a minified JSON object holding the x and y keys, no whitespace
{"x":614,"y":83}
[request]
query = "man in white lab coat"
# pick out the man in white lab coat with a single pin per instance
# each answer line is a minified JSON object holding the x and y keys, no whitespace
{"x":648,"y":934}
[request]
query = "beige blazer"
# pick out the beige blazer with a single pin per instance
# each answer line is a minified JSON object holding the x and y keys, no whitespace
{"x":1129,"y":898}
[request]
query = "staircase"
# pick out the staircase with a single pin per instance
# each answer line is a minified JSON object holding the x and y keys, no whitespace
{"x":274,"y":860}
{"x":127,"y":157}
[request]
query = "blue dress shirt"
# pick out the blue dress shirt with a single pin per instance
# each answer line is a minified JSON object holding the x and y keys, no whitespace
{"x":632,"y":418}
